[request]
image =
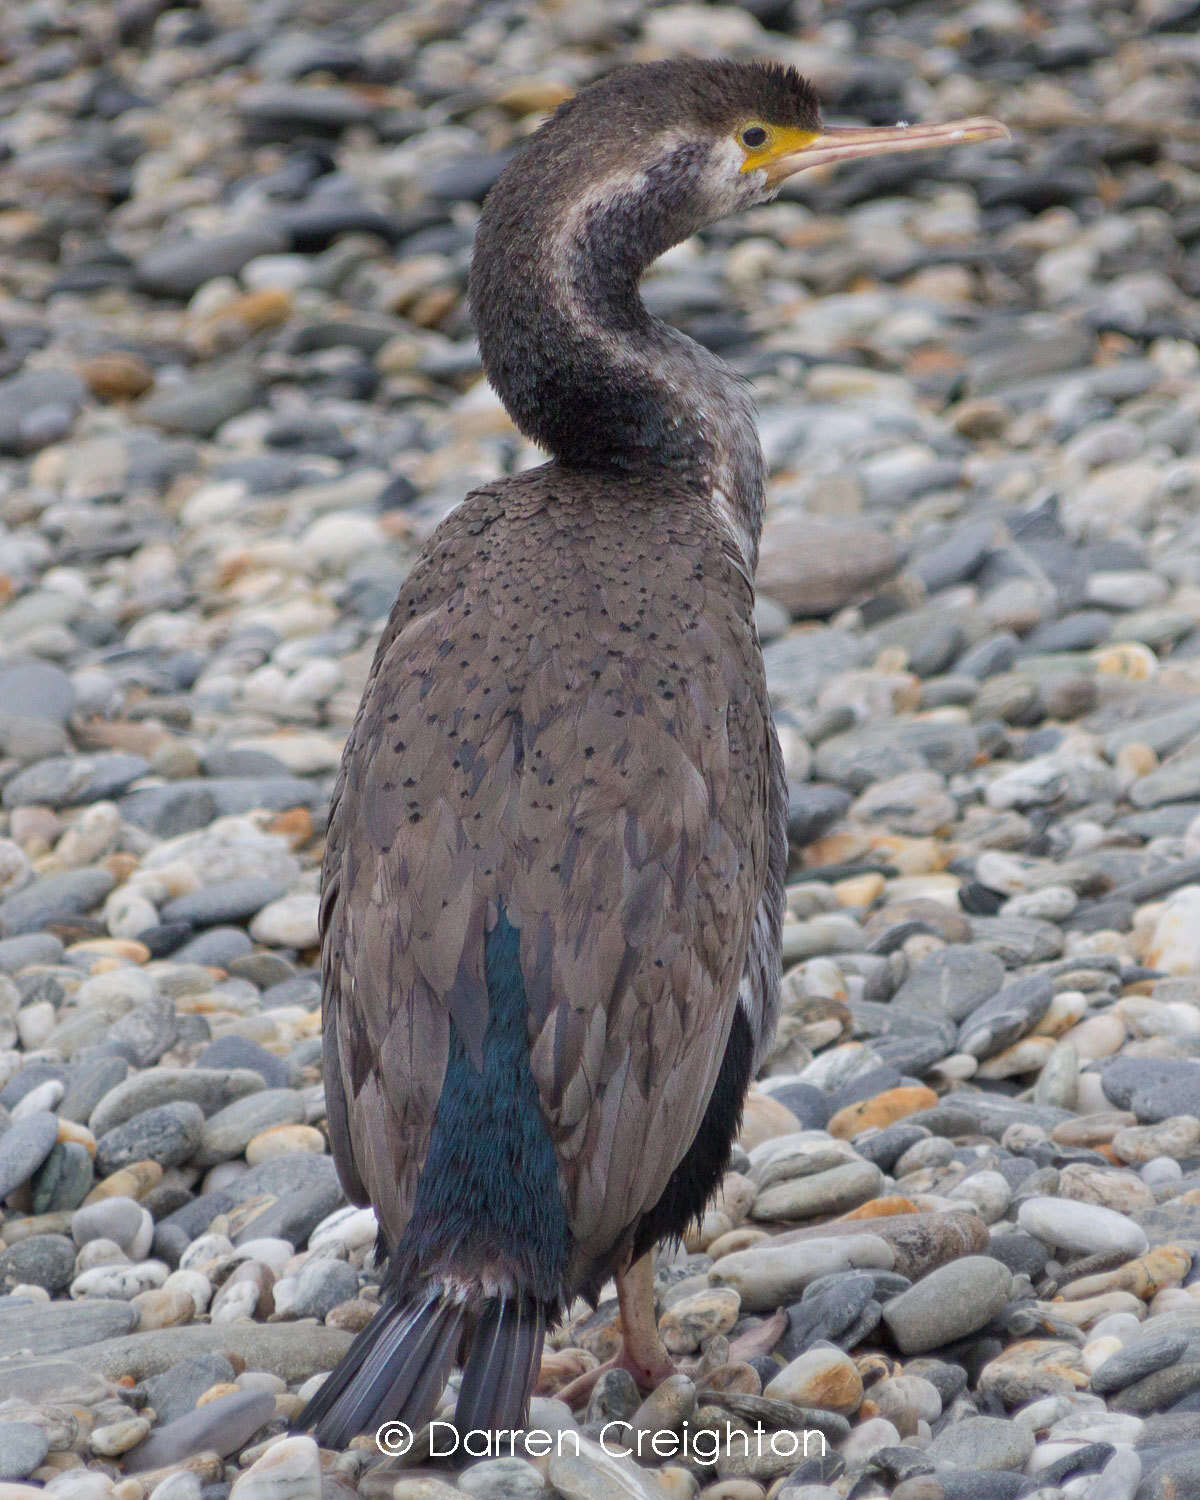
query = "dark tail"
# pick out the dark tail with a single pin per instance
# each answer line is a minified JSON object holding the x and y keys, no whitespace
{"x":488,"y":1211}
{"x":506,"y":1354}
{"x":397,"y":1368}
{"x":394,"y":1370}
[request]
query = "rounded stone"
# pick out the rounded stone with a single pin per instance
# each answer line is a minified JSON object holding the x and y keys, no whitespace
{"x":834,"y":1190}
{"x":290,"y":1469}
{"x":982,"y":1443}
{"x":881,"y":1110}
{"x":503,"y":1479}
{"x":951,"y":1302}
{"x":227,"y":1133}
{"x":23,"y":1446}
{"x":1140,"y":1357}
{"x":686,"y":1323}
{"x":167,"y":1134}
{"x":823,"y":1377}
{"x":24,"y":1146}
{"x":1081,"y":1228}
{"x":45,"y":1260}
{"x":290,"y":922}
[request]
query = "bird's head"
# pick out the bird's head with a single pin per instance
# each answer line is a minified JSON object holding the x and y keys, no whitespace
{"x":692,"y":140}
{"x":627,"y":168}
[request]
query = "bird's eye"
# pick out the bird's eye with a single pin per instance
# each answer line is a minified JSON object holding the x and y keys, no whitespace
{"x":754,"y":136}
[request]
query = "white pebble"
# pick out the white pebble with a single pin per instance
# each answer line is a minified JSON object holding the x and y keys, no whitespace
{"x":1083,"y":1228}
{"x":120,"y":1282}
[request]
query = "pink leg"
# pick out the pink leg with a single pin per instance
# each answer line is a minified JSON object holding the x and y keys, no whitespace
{"x":642,"y":1351}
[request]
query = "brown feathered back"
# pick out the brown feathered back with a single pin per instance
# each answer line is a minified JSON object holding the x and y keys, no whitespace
{"x":567,"y":716}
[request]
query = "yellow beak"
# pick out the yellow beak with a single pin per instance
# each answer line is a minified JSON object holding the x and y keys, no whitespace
{"x":846,"y":143}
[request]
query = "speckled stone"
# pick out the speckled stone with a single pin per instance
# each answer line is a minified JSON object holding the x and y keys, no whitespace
{"x":167,"y":1134}
{"x":982,"y":1443}
{"x":949,"y":1303}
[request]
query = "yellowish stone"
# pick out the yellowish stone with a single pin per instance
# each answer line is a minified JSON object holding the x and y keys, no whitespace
{"x":1067,"y":1009}
{"x":1026,"y":1056}
{"x":163,"y":1307}
{"x":1135,"y":761}
{"x":285,"y":1140}
{"x":533,"y":96}
{"x":841,"y":847}
{"x":934,"y":887}
{"x":1096,"y":1352}
{"x":1084,"y":1311}
{"x":859,"y":890}
{"x":737,"y":1239}
{"x":129,"y":950}
{"x":71,"y":1130}
{"x":764,"y":1119}
{"x":1098,"y":1036}
{"x":881,"y":1110}
{"x":133,"y":1181}
{"x":1129,"y":659}
{"x":117,"y":375}
{"x":1164,"y":1266}
{"x":215,"y":1392}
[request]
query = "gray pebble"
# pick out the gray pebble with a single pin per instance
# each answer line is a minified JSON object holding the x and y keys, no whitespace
{"x":50,"y":1327}
{"x":321,"y":1285}
{"x":176,"y":1390}
{"x":146,"y":1031}
{"x":64,"y":1179}
{"x":89,"y":1080}
{"x":954,"y":981}
{"x":1118,"y":1480}
{"x":17,"y":953}
{"x":69,"y":780}
{"x":982,"y":1443}
{"x":222,"y":1425}
{"x":1004,"y":1018}
{"x":23,"y":1446}
{"x":1142,"y":1356}
{"x":1153,"y":1088}
{"x":121,"y":1220}
{"x":45,"y":1260}
{"x":167,"y":1134}
{"x":227,"y":1133}
{"x":227,"y":901}
{"x":210,"y":1088}
{"x":53,"y":898}
{"x":237,"y":1054}
{"x":217,"y":948}
{"x":177,"y":270}
{"x":194,"y":803}
{"x":950,"y":1303}
{"x":24,"y":395}
{"x":24,"y":1146}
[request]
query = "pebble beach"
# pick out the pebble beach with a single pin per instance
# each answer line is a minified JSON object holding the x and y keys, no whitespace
{"x":957,"y":1252}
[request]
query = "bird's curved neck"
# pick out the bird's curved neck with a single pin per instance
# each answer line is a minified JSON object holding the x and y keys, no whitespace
{"x":586,"y":371}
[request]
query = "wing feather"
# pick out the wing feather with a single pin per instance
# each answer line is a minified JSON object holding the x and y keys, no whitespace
{"x":567,"y":717}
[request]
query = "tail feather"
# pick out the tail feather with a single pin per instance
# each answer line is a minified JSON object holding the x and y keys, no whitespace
{"x":506,"y":1352}
{"x":396,"y":1369}
{"x":398,"y":1366}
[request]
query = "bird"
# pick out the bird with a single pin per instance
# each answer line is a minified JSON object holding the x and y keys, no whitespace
{"x":553,"y":879}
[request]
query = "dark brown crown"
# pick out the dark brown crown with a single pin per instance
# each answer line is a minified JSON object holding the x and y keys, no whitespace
{"x":715,"y":95}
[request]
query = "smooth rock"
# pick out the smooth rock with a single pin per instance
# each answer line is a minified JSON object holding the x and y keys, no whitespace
{"x":1081,"y":1228}
{"x":949,"y":1303}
